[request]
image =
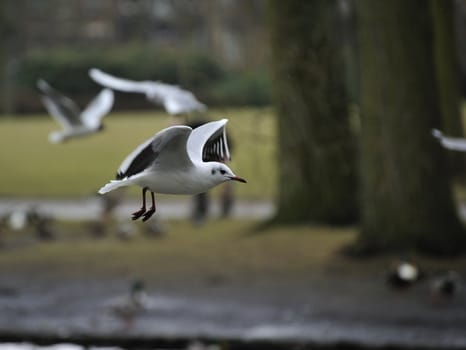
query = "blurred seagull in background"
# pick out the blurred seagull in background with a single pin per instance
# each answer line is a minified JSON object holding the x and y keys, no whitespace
{"x":75,"y":122}
{"x":403,"y":274}
{"x":451,"y":143}
{"x":177,"y":160}
{"x":174,"y":99}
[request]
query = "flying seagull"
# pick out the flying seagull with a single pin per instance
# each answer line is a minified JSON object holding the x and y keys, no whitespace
{"x":174,"y":99}
{"x":177,"y":160}
{"x":75,"y":122}
{"x":451,"y":143}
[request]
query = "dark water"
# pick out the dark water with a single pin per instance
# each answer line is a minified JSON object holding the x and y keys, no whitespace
{"x":194,"y":345}
{"x":81,"y":314}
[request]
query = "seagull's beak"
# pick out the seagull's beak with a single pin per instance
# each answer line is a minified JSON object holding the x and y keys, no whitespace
{"x":237,"y":178}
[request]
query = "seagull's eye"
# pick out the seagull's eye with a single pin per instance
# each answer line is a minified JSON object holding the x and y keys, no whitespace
{"x":212,"y":171}
{"x":222,"y":171}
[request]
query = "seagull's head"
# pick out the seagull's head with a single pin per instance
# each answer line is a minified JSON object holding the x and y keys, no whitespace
{"x":219,"y":172}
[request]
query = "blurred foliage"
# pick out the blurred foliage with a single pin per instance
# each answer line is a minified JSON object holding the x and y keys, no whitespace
{"x":7,"y":24}
{"x":67,"y":69}
{"x":246,"y":88}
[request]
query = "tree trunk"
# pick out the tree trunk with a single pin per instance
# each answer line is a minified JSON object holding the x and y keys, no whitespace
{"x":447,"y":74}
{"x":9,"y":44}
{"x":316,"y":148}
{"x":406,"y":197}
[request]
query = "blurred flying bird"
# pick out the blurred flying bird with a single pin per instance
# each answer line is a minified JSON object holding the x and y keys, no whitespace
{"x":75,"y":122}
{"x":451,"y":143}
{"x":174,"y":99}
{"x":177,"y":160}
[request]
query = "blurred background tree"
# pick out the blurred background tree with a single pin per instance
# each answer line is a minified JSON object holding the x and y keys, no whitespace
{"x":447,"y":65}
{"x":316,"y":147}
{"x":10,"y":46}
{"x":216,"y":48}
{"x":406,"y":198}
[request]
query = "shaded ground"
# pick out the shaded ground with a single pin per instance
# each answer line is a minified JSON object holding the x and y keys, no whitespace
{"x":222,"y":283}
{"x":87,"y":208}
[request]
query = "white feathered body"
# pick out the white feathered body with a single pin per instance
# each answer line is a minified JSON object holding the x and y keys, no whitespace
{"x":63,"y":135}
{"x":189,"y":181}
{"x":172,"y":161}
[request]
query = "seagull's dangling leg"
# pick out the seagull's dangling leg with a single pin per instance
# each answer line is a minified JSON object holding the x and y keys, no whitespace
{"x":140,"y":212}
{"x":151,"y":211}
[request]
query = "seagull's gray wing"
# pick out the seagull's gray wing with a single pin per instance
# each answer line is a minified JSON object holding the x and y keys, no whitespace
{"x":116,"y":83}
{"x":97,"y":109}
{"x":451,"y":143}
{"x":62,"y":108}
{"x":208,"y":142}
{"x":166,"y":150}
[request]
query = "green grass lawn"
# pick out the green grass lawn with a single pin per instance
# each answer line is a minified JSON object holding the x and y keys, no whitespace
{"x":31,"y":166}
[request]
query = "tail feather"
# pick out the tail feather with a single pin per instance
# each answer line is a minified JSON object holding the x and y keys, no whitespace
{"x":112,"y":185}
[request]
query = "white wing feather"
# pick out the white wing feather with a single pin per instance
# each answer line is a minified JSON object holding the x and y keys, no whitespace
{"x":451,"y":143}
{"x":58,"y":98}
{"x":174,"y":99}
{"x":66,"y":112}
{"x":98,"y":108}
{"x":63,"y":109}
{"x":52,"y":108}
{"x":201,"y":135}
{"x":115,"y":83}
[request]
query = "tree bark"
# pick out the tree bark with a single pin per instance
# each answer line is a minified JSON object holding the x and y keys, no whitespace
{"x":406,"y":197}
{"x":9,"y":45}
{"x":316,"y":147}
{"x":447,"y":66}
